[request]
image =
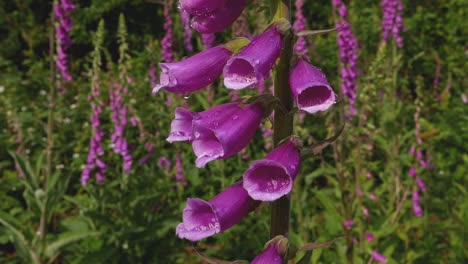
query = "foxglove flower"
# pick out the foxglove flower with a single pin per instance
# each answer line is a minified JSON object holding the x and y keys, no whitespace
{"x":417,"y":210}
{"x":185,"y":17}
{"x":378,"y":257}
{"x":219,"y":19}
{"x":219,"y":132}
{"x":310,"y":88}
{"x":272,"y":177}
{"x":348,"y":47}
{"x":202,"y":219}
{"x":193,"y":73}
{"x":392,"y":22}
{"x":168,"y":39}
{"x":348,"y":223}
{"x":200,"y":7}
{"x":254,"y":62}
{"x":300,"y":22}
{"x":208,"y":40}
{"x":270,"y":255}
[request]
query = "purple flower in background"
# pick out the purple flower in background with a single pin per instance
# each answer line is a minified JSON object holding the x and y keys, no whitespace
{"x":219,"y":132}
{"x":270,"y":255}
{"x":152,"y":75}
{"x":119,"y":116}
{"x":193,"y":73}
{"x":412,"y":172}
{"x":310,"y":88}
{"x":241,"y":27}
{"x":300,"y":48}
{"x":62,"y":11}
{"x":219,"y":19}
{"x":421,"y":184}
{"x":348,"y":46}
{"x":365,"y":211}
{"x":348,"y":223}
{"x":369,"y":236}
{"x":167,"y":41}
{"x":164,"y":163}
{"x":417,"y":210}
{"x":208,"y":40}
{"x":272,"y":177}
{"x":180,"y":179}
{"x":392,"y":21}
{"x":200,"y":7}
{"x":185,"y":17}
{"x":202,"y":219}
{"x":249,"y":67}
{"x":378,"y":257}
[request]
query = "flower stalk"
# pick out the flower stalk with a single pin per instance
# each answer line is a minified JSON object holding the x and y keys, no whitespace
{"x":283,"y":125}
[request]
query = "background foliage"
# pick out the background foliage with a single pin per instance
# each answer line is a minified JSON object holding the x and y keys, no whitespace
{"x":132,"y":217}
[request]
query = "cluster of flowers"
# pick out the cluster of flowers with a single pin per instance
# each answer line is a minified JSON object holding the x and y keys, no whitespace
{"x":348,"y":46}
{"x":420,"y":162}
{"x":62,"y":11}
{"x":185,"y":17}
{"x":392,"y":22}
{"x":95,"y":149}
{"x":167,"y":41}
{"x":224,"y":130}
{"x":300,"y":48}
{"x":348,"y":224}
{"x":120,"y":120}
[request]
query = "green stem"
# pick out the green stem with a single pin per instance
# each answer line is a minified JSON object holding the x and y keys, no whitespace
{"x":283,"y":125}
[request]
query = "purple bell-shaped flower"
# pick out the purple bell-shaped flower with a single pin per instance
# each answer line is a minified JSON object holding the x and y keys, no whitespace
{"x":272,"y":177}
{"x":219,"y":19}
{"x":200,"y":7}
{"x":202,"y":219}
{"x":193,"y":73}
{"x":219,"y":132}
{"x":310,"y":87}
{"x":250,"y":66}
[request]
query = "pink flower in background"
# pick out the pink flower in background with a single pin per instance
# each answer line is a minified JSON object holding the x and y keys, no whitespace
{"x":62,"y":10}
{"x":392,"y":21}
{"x":369,"y":236}
{"x":348,"y":223}
{"x":421,"y":184}
{"x":348,"y":48}
{"x":300,"y":47}
{"x":417,"y":210}
{"x":185,"y":17}
{"x":208,"y":40}
{"x":167,"y":41}
{"x":378,"y":257}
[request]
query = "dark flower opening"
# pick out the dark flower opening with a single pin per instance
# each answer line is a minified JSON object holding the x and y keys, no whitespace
{"x":314,"y":96}
{"x":239,"y":74}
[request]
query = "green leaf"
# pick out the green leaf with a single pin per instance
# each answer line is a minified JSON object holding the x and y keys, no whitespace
{"x":22,"y":245}
{"x":66,"y":238}
{"x":306,"y":258}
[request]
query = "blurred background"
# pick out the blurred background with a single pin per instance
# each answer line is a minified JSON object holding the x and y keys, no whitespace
{"x":86,"y":175}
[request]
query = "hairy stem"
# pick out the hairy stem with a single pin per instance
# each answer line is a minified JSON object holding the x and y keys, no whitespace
{"x":283,"y":122}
